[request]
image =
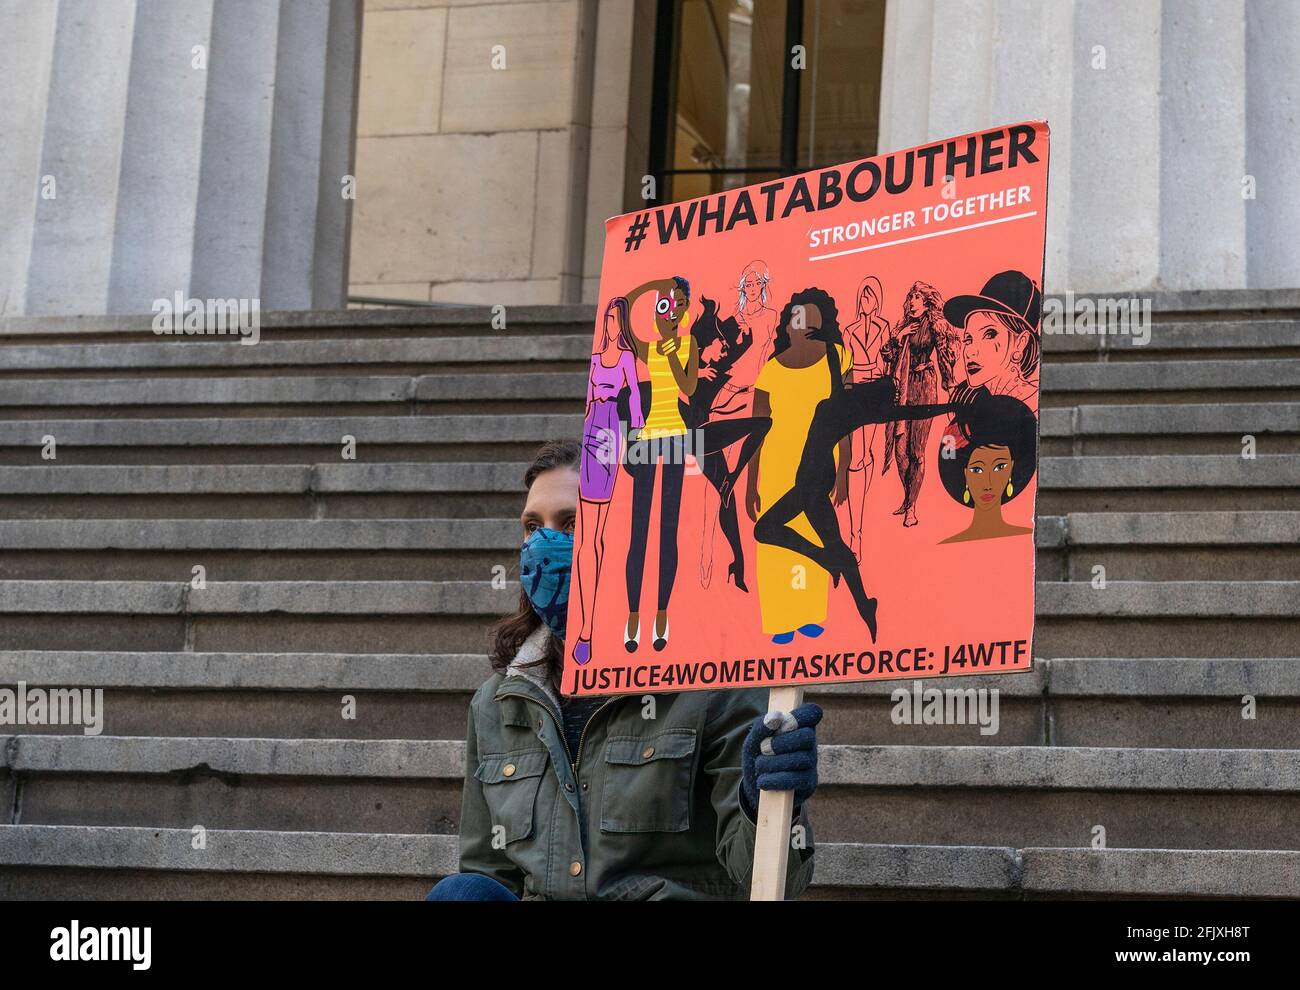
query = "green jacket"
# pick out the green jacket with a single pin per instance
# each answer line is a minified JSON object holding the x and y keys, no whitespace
{"x":657,"y":798}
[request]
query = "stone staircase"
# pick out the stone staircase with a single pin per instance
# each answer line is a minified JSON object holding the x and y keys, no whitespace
{"x":328,"y":578}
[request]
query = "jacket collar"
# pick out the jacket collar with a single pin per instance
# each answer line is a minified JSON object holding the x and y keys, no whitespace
{"x":532,"y":650}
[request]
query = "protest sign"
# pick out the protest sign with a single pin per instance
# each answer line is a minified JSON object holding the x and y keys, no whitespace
{"x":810,"y":444}
{"x":810,"y":441}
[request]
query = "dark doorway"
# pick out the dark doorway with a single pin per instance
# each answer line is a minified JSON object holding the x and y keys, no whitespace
{"x":735,"y":101}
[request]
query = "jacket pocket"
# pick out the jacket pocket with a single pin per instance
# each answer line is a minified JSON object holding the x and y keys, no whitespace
{"x":648,"y":782}
{"x":510,"y":784}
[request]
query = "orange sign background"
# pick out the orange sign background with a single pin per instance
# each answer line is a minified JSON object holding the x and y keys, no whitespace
{"x":939,"y":604}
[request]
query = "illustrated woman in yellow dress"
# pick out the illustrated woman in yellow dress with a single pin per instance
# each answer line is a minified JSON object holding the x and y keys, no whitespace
{"x":792,"y":589}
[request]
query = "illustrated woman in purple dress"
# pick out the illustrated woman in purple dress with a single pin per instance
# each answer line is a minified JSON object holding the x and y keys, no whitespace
{"x":613,"y":369}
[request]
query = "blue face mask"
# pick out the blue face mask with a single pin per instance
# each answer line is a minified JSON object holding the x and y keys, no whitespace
{"x":544,"y":564}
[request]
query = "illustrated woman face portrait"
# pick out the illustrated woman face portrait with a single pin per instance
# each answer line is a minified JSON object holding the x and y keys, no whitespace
{"x":612,"y":330}
{"x":992,"y":350}
{"x":988,"y":473}
{"x":669,"y":310}
{"x":915,"y":305}
{"x":868,"y":303}
{"x":615,"y":332}
{"x":993,"y":456}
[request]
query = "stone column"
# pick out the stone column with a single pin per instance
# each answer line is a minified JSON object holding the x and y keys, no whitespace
{"x":1159,"y":111}
{"x":26,"y":41}
{"x":197,"y":147}
{"x":1203,"y":144}
{"x":1273,"y":143}
{"x":1113,"y":222}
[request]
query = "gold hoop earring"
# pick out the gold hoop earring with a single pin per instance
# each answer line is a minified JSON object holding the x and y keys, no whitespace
{"x":1008,"y":489}
{"x":966,"y":496}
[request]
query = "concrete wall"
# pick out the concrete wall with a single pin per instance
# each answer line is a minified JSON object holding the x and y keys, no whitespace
{"x":490,"y":182}
{"x":1167,"y":115}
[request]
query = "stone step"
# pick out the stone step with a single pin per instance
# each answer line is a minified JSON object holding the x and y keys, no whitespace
{"x":1227,"y":327}
{"x":397,"y":488}
{"x":372,"y":785}
{"x":1059,"y":796}
{"x":1153,"y":483}
{"x":1009,"y":795}
{"x":1243,"y":377}
{"x":373,"y":354}
{"x":282,"y":440}
{"x":90,"y":862}
{"x":1187,"y":337}
{"x":1155,"y":429}
{"x":432,"y":321}
{"x":1135,"y":431}
{"x":1160,"y":703}
{"x":490,"y":390}
{"x":261,"y":549}
{"x":1156,"y":703}
{"x":1130,"y":546}
{"x":361,"y":395}
{"x":1169,"y":546}
{"x":1170,"y":381}
{"x":1168,"y":482}
{"x":1185,"y":618}
{"x":414,"y":696}
{"x":348,"y":489}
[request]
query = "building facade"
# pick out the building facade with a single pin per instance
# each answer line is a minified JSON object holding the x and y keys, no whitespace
{"x":1175,"y":126}
{"x":457,"y":151}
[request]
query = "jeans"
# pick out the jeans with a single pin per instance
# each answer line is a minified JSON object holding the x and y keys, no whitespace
{"x":469,"y":887}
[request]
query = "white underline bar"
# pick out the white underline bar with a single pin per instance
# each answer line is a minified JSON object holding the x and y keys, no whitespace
{"x":922,"y":237}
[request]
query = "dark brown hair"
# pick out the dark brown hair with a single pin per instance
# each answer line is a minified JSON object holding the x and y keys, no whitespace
{"x":507,"y":635}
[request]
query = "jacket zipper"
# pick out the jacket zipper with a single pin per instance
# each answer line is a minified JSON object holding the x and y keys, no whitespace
{"x":583,"y":735}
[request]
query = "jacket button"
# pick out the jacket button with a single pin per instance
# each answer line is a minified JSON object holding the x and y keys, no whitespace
{"x":508,"y":770}
{"x":539,"y":725}
{"x":569,"y":787}
{"x":648,"y":752}
{"x":575,"y":869}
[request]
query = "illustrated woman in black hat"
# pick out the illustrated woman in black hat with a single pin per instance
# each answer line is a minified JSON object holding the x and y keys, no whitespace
{"x":999,"y":335}
{"x":995,"y":442}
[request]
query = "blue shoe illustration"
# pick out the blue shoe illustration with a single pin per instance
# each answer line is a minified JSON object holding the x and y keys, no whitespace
{"x":811,"y":630}
{"x":780,"y":639}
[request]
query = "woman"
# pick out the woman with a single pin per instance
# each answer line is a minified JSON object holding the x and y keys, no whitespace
{"x":733,"y":366}
{"x":718,"y":414}
{"x":584,"y":798}
{"x":612,"y":370}
{"x":999,"y":337}
{"x":995,"y":447}
{"x":922,"y":339}
{"x":792,"y":586}
{"x":818,"y":471}
{"x":753,"y":315}
{"x":673,"y":366}
{"x":866,"y":336}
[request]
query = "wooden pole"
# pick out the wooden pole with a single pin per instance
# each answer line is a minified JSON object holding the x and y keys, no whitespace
{"x":772,"y":844}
